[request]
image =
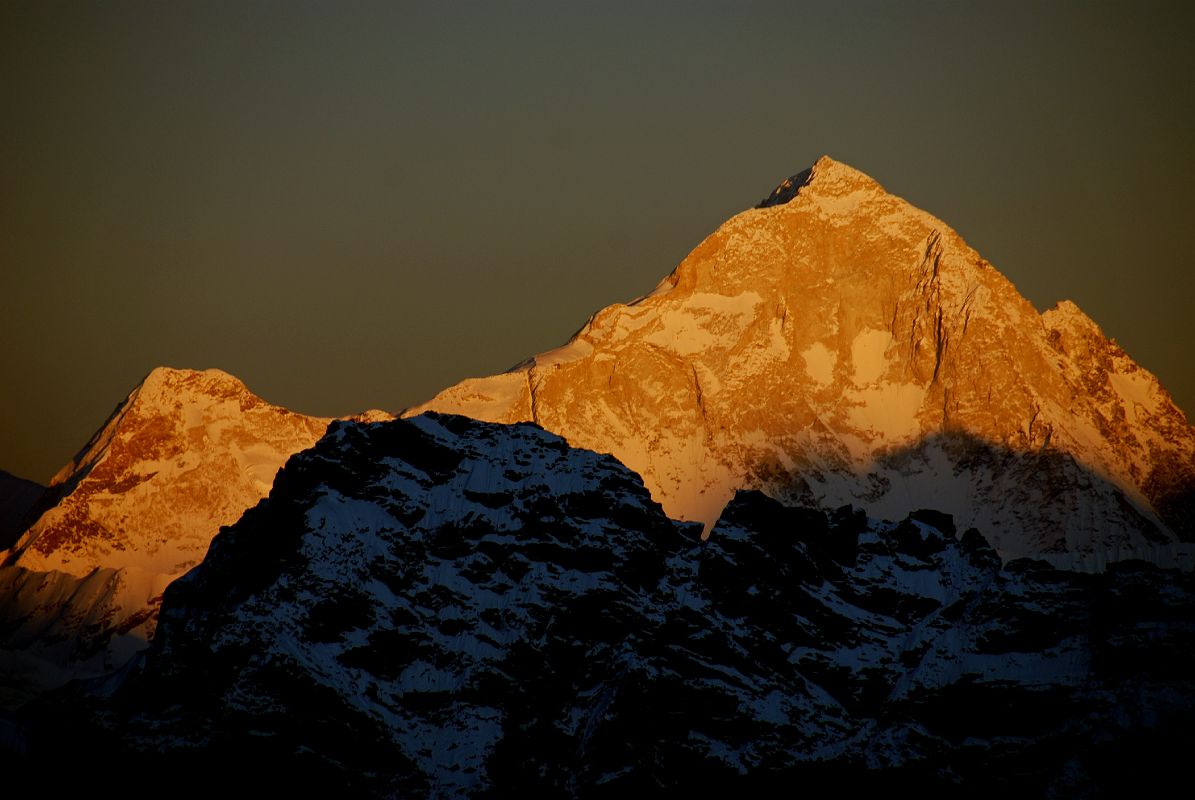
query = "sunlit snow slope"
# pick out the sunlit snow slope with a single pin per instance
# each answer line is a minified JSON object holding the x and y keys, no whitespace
{"x":186,"y":453}
{"x":837,"y":345}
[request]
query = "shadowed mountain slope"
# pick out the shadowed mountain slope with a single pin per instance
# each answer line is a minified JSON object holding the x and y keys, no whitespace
{"x":444,"y":607}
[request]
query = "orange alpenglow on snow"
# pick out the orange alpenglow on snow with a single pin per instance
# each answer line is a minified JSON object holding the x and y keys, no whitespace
{"x":837,"y":345}
{"x":186,"y":453}
{"x":834,"y":345}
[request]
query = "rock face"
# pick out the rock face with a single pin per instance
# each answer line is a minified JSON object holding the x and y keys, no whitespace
{"x":184,"y":454}
{"x":444,"y":607}
{"x":837,"y":345}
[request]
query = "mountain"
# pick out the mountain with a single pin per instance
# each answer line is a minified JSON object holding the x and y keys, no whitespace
{"x":443,"y":607}
{"x":836,"y":345}
{"x":18,"y":496}
{"x":856,"y":425}
{"x":184,"y":454}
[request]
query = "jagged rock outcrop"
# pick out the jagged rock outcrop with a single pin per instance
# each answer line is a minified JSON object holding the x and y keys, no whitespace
{"x":837,"y":345}
{"x":443,"y":607}
{"x":184,"y":454}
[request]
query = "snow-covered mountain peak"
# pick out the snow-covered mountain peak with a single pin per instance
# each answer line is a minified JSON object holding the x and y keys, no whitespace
{"x":826,"y":178}
{"x":829,"y":177}
{"x":166,"y":387}
{"x":186,"y":452}
{"x":161,"y":393}
{"x":842,"y":346}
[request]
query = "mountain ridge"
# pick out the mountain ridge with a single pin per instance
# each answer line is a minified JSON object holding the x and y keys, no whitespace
{"x":834,"y":346}
{"x":866,"y":417}
{"x":446,"y":607}
{"x":803,"y":340}
{"x":186,"y":452}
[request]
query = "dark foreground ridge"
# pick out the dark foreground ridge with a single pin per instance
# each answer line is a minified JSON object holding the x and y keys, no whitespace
{"x":443,"y":607}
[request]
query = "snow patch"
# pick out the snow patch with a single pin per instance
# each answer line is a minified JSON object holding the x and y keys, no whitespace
{"x":705,"y":323}
{"x":867,"y":355}
{"x":819,"y":363}
{"x":887,"y":409}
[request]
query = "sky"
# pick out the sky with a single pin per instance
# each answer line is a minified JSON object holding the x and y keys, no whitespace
{"x":354,"y":205}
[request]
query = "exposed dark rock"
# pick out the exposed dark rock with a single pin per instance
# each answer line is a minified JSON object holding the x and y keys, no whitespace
{"x":381,"y":624}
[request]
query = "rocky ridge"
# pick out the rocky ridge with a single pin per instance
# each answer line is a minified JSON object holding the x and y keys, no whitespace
{"x":444,"y":607}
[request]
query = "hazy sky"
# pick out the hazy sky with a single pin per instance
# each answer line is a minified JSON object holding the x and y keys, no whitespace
{"x":355,"y":205}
